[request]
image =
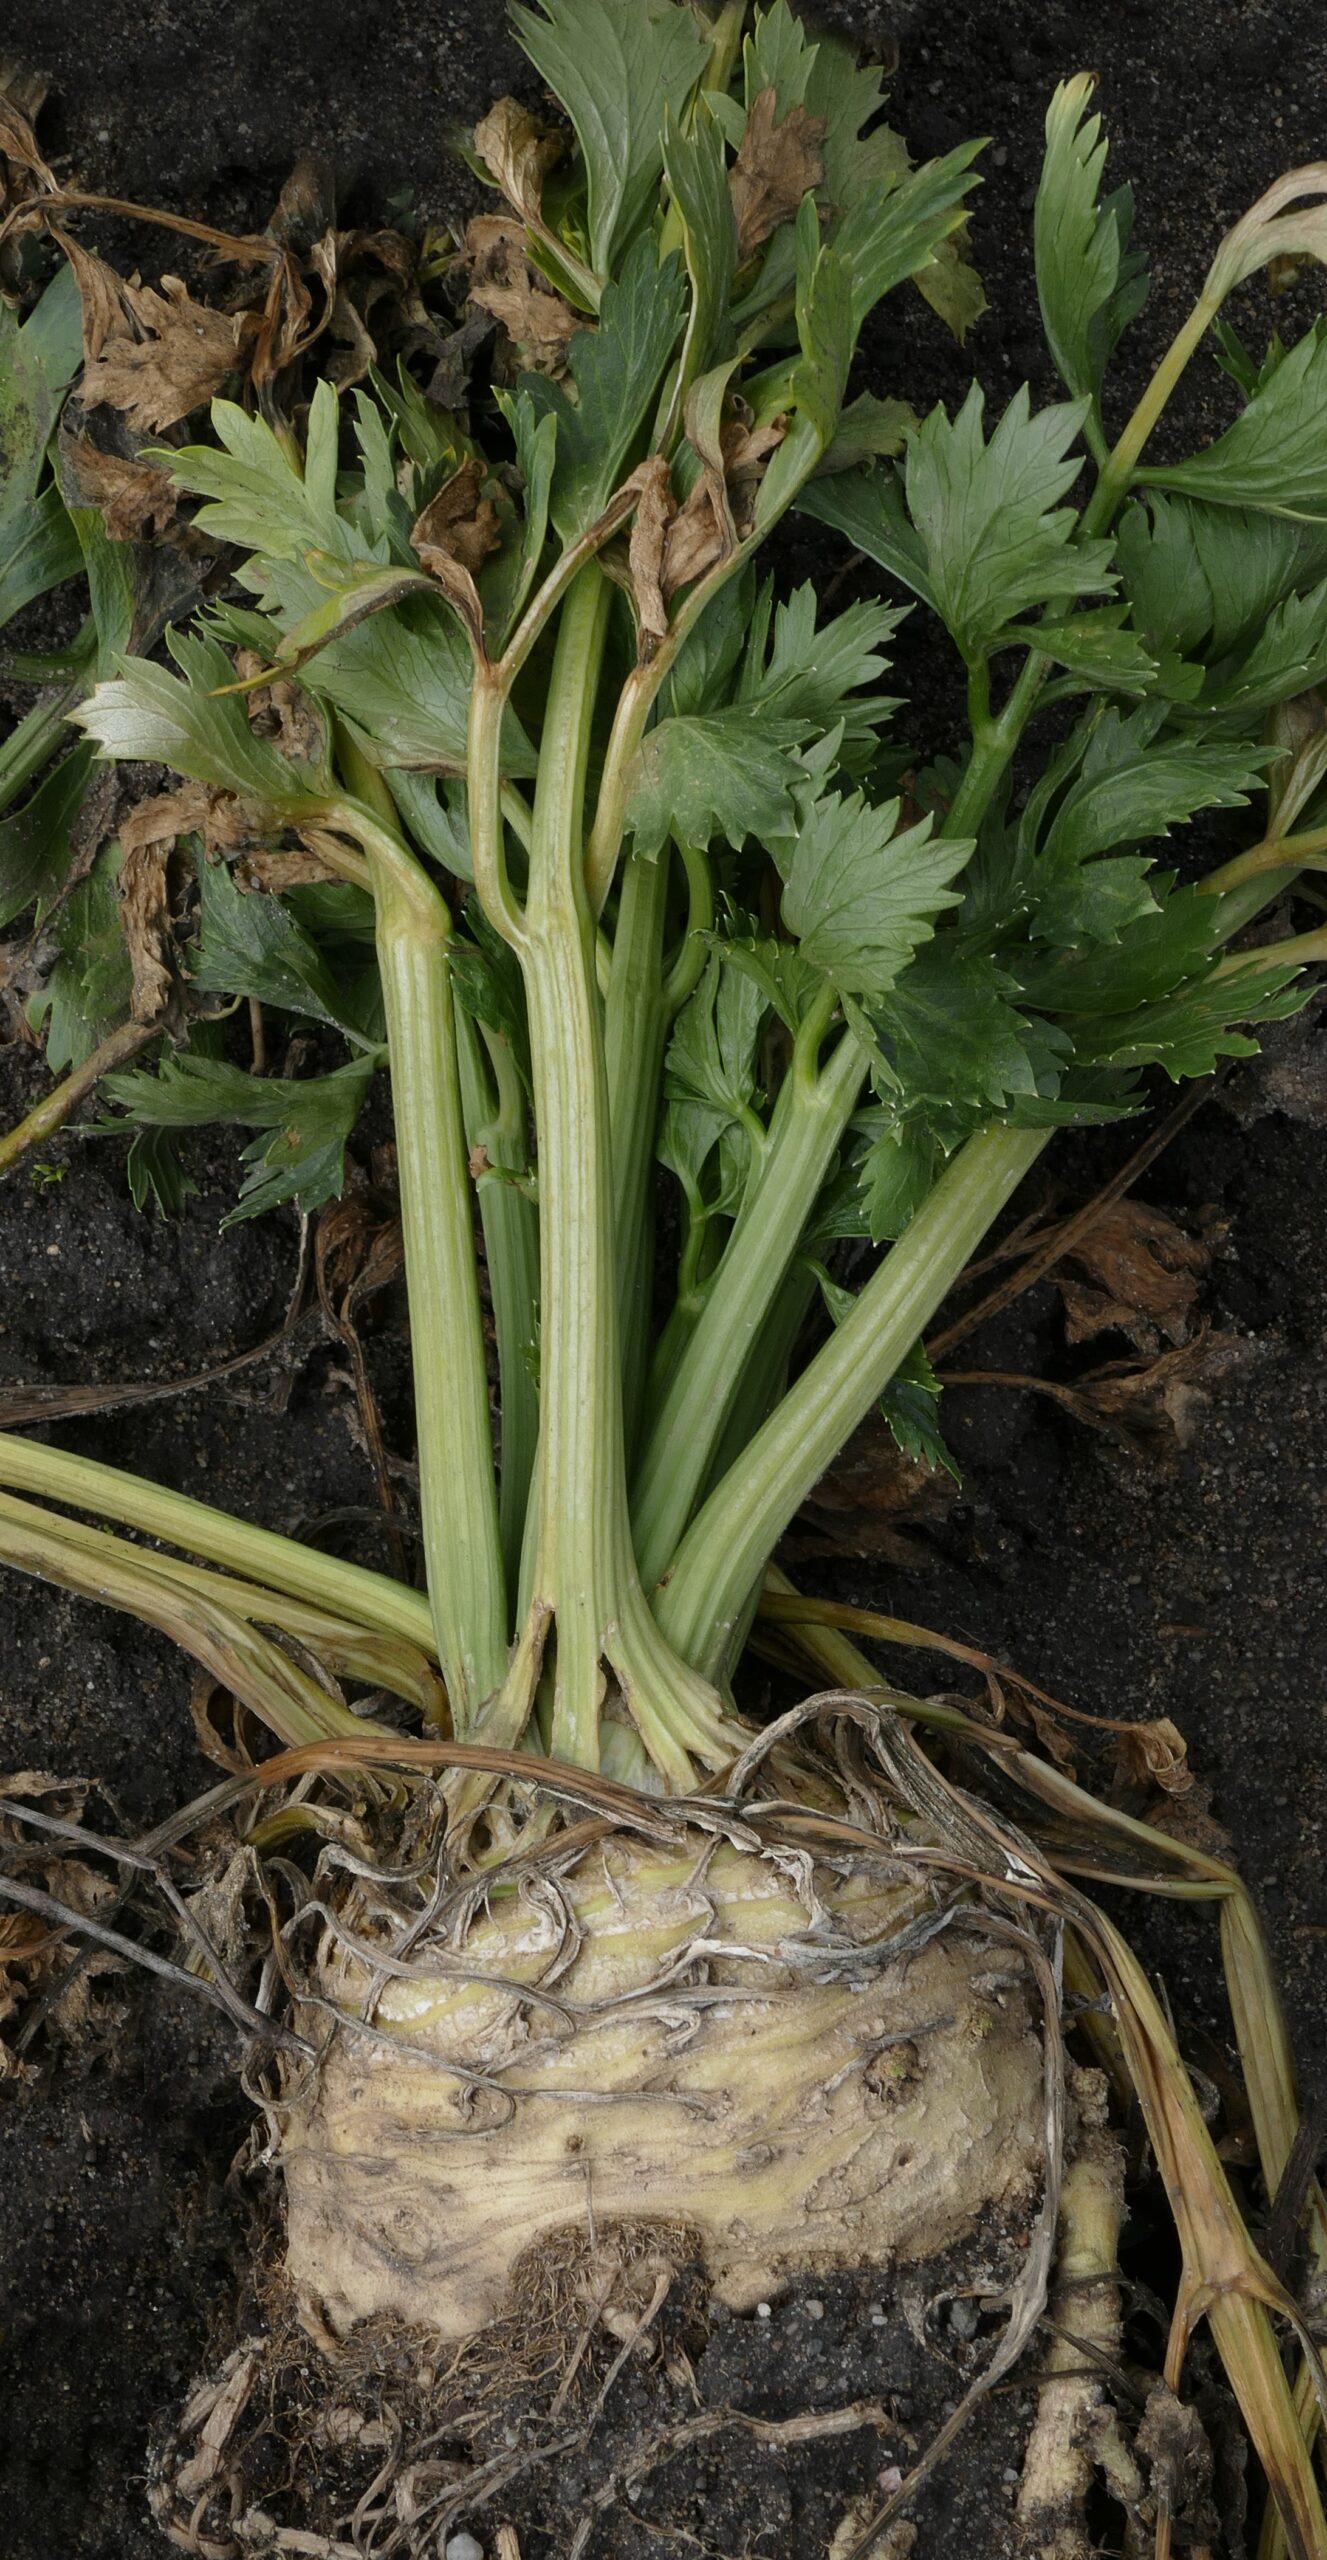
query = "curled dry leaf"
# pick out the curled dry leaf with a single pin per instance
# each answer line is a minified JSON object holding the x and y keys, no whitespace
{"x":155,"y":355}
{"x":282,"y":711}
{"x":870,"y":1501}
{"x":645,"y":557}
{"x":145,"y":917}
{"x":134,"y":498}
{"x":1135,"y":1272}
{"x":148,"y":837}
{"x":776,"y":166}
{"x":20,"y":99}
{"x":718,"y":509}
{"x":454,"y":536}
{"x":503,"y":283}
{"x":271,"y":874}
{"x":1153,"y":1407}
{"x":1155,"y":1754}
{"x":519,"y":152}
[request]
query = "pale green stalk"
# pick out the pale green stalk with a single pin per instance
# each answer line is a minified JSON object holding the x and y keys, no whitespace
{"x":260,"y":1555}
{"x":637,"y":1015}
{"x":495,"y":1128}
{"x":812,"y":1112}
{"x":454,"y":1433}
{"x":728,"y":1544}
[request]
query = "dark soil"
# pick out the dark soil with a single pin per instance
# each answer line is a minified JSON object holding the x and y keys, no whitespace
{"x":1191,"y":1589}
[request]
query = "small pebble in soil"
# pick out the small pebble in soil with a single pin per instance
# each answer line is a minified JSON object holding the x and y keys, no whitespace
{"x":762,"y":2311}
{"x":463,"y":2546}
{"x":814,"y":2310}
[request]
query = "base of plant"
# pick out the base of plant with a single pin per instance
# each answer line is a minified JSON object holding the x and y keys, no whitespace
{"x":618,"y":2400}
{"x":806,"y":2069}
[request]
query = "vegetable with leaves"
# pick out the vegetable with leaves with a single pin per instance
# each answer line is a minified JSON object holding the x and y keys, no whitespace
{"x":646,"y":882}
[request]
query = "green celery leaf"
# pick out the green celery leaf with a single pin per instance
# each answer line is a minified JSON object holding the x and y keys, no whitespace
{"x":861,"y":897}
{"x":304,"y":1122}
{"x":997,"y":543}
{"x":535,"y":439}
{"x":702,"y":672}
{"x":1132,"y":783}
{"x":258,"y":499}
{"x":435,"y":816}
{"x":193,"y":726}
{"x":955,"y":1035}
{"x":824,"y":674}
{"x":1095,"y":647}
{"x":896,"y":1172}
{"x":618,"y":67}
{"x":35,"y":850}
{"x":698,"y":180}
{"x":1274,"y":455}
{"x":867,"y":506}
{"x":891,"y":233}
{"x":1148,"y":959}
{"x":38,"y":545}
{"x":251,"y":945}
{"x":87,"y":994}
{"x":712,"y":1053}
{"x":615,"y":372}
{"x":728,"y":773}
{"x":910,"y":1405}
{"x":1090,"y":283}
{"x":154,"y":1172}
{"x":1203,"y":580}
{"x":867,"y":427}
{"x":785,"y":978}
{"x":1288,"y":656}
{"x":1189,"y":1031}
{"x":404,"y":678}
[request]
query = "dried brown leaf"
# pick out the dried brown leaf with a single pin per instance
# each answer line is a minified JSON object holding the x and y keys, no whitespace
{"x":134,"y":498}
{"x":1135,"y":1272}
{"x":518,"y":151}
{"x":645,"y":556}
{"x":1154,"y":1406}
{"x":183,"y":354}
{"x":870,"y":1500}
{"x":145,"y":917}
{"x":453,"y":537}
{"x":775,"y":167}
{"x":99,"y":294}
{"x":1155,"y":1754}
{"x":20,"y":98}
{"x":503,"y":283}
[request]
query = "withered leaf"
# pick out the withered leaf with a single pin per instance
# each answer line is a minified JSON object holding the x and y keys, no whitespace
{"x":454,"y":536}
{"x":870,"y":1500}
{"x":183,"y":354}
{"x":774,"y":168}
{"x":503,"y":283}
{"x":518,"y":151}
{"x":134,"y":498}
{"x":98,"y":292}
{"x":282,"y":711}
{"x":145,"y":916}
{"x":718,"y":509}
{"x":1135,"y":1272}
{"x":18,"y":142}
{"x":148,"y":837}
{"x":645,"y":557}
{"x":273,"y":873}
{"x":1153,"y":1406}
{"x":1155,"y":1754}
